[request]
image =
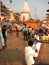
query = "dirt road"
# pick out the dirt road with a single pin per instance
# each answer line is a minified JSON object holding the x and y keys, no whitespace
{"x":14,"y":53}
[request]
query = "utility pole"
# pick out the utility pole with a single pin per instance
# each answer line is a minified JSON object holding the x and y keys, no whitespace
{"x":0,"y":9}
{"x":35,"y":12}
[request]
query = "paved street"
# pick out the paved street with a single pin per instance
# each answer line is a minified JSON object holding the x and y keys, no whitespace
{"x":14,"y":53}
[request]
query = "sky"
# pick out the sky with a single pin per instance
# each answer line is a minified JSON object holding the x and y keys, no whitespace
{"x":36,"y":7}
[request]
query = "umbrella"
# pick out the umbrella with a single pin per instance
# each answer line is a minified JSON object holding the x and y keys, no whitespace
{"x":6,"y":23}
{"x":18,"y":26}
{"x":22,"y":25}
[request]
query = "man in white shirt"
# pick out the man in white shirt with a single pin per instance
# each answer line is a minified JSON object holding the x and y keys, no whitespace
{"x":30,"y":53}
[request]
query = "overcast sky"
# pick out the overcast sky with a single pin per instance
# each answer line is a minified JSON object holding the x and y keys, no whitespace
{"x":36,"y":6}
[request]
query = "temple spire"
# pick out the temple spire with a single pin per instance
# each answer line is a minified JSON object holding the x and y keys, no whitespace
{"x":25,"y":14}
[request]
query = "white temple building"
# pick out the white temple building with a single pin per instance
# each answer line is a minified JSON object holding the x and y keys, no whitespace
{"x":25,"y":14}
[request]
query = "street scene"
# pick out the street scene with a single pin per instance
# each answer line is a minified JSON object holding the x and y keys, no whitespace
{"x":24,"y":32}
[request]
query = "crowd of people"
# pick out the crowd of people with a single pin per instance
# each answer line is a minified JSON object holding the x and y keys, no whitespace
{"x":30,"y":32}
